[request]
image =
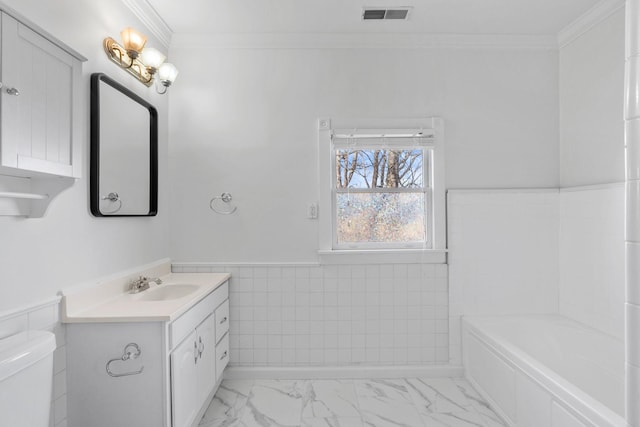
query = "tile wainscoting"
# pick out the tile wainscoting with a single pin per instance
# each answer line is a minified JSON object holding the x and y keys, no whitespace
{"x":335,"y":315}
{"x":44,"y":316}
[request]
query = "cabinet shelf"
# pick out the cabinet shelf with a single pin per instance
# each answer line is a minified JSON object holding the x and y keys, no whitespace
{"x":15,"y":195}
{"x":30,"y":197}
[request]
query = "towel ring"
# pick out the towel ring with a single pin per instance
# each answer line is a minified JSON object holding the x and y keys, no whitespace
{"x":131,"y":351}
{"x":225,"y":198}
{"x":113,"y":197}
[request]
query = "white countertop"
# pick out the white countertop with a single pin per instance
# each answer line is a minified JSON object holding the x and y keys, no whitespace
{"x":127,"y":307}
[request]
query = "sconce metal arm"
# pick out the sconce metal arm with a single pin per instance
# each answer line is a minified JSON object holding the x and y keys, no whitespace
{"x":119,"y":56}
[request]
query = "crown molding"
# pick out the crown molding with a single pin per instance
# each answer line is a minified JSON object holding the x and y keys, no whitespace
{"x":598,"y":13}
{"x":359,"y":40}
{"x":151,"y":19}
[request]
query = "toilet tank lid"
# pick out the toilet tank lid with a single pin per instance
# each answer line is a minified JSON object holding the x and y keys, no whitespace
{"x":22,"y":350}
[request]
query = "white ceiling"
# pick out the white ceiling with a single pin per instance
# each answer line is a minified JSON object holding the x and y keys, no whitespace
{"x":529,"y":17}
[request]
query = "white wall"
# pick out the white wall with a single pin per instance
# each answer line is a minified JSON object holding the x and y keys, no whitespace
{"x":591,"y":105}
{"x":245,"y":121}
{"x":68,"y":246}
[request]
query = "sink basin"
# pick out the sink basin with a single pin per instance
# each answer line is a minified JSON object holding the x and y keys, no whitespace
{"x":168,"y":292}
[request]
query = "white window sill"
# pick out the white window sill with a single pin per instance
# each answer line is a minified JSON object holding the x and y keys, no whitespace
{"x":383,"y":256}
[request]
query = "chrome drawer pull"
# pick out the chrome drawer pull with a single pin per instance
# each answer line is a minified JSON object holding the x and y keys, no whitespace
{"x":201,"y":348}
{"x":224,"y":319}
{"x":223,"y":355}
{"x":13,"y":91}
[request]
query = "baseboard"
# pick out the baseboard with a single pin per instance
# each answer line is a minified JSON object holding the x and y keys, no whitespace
{"x":341,"y":372}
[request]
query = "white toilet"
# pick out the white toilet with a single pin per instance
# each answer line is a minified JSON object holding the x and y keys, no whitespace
{"x":26,"y":374}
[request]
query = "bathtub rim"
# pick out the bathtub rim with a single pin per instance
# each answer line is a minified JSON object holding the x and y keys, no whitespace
{"x":591,"y":411}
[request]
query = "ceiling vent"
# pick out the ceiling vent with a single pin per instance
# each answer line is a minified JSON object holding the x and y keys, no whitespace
{"x":381,"y":13}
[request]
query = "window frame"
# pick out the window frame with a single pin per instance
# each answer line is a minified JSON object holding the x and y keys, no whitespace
{"x":434,"y":192}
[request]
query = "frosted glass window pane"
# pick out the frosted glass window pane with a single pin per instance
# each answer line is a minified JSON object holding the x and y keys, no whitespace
{"x":380,"y":217}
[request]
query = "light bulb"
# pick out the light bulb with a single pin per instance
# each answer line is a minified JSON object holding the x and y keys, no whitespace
{"x":152,"y":59}
{"x":167,"y":73}
{"x":132,"y":41}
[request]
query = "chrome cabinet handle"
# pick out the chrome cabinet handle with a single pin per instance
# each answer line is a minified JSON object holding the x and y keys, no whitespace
{"x":223,"y":355}
{"x":224,"y":319}
{"x":195,"y":352}
{"x":201,"y":347}
{"x":13,"y":91}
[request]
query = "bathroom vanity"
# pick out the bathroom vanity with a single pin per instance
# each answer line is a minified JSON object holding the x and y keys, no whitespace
{"x":153,"y":358}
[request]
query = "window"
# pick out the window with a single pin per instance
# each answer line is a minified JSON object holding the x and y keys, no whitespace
{"x":382,"y":188}
{"x":380,"y":192}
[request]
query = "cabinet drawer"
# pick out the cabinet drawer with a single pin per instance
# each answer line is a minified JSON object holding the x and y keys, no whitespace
{"x":184,"y":324}
{"x":222,"y":355}
{"x":222,"y":320}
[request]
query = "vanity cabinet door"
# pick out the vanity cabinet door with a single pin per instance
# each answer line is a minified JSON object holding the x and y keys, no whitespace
{"x":207,"y":357}
{"x":184,"y":382}
{"x":39,"y":99}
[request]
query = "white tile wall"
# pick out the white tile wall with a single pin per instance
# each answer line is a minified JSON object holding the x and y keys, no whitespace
{"x":592,"y":257}
{"x":332,"y":315}
{"x":503,"y":254}
{"x":44,"y":316}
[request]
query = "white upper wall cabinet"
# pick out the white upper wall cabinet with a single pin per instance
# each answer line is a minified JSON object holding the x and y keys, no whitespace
{"x":40,"y":99}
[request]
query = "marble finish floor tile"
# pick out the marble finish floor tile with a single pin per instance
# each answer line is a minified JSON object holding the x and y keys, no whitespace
{"x":227,"y":404}
{"x":410,"y":402}
{"x":454,"y":419}
{"x":437,"y":395}
{"x":387,"y":403}
{"x":274,"y":403}
{"x":332,"y":422}
{"x":491,"y":419}
{"x":330,"y":399}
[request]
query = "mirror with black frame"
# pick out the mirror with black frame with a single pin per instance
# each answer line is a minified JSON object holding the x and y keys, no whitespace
{"x":124,"y":151}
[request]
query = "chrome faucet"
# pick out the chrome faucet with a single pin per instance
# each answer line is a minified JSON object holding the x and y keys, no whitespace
{"x":139,"y":285}
{"x":142,"y":284}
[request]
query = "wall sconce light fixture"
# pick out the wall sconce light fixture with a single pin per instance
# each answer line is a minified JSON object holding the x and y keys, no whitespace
{"x":142,"y":62}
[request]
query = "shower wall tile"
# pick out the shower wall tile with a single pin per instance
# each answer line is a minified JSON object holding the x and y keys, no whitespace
{"x":632,"y":392}
{"x":633,"y":211}
{"x":503,"y":255}
{"x":632,"y":45}
{"x":591,"y":286}
{"x":632,"y":87}
{"x":632,"y":348}
{"x":310,"y":315}
{"x":44,"y":316}
{"x":633,"y":271}
{"x":538,"y":251}
{"x":632,"y":154}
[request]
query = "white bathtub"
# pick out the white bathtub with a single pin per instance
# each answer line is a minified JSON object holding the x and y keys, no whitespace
{"x":545,"y":371}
